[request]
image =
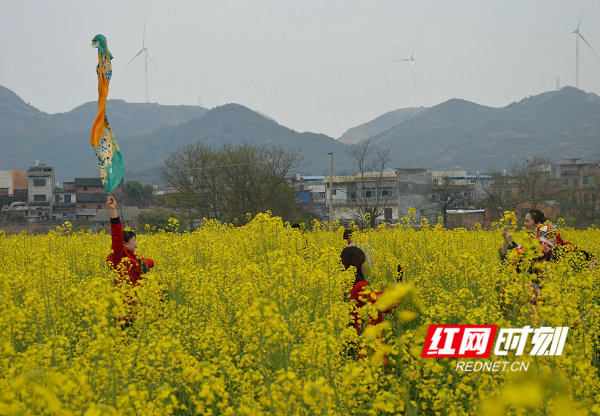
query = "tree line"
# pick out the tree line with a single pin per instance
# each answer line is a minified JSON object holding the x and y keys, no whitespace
{"x":235,"y":180}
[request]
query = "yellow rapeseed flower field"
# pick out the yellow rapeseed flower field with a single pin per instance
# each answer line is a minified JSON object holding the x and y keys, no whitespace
{"x":254,"y":320}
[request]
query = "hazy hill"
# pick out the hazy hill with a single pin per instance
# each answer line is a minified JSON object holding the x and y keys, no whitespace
{"x":380,"y":124}
{"x":147,"y":134}
{"x":458,"y":134}
{"x":62,"y":140}
{"x":23,"y":130}
{"x":127,"y":118}
{"x":233,"y":123}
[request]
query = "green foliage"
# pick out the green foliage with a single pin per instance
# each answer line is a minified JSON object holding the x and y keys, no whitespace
{"x":135,"y":190}
{"x":156,"y":218}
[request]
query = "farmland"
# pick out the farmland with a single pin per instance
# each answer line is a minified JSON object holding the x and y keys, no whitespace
{"x":255,"y":320}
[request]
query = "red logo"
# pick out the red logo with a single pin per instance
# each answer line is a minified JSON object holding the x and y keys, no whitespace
{"x":459,"y":340}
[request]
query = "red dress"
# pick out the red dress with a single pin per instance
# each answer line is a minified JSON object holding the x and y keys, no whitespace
{"x":361,"y":295}
{"x":132,"y":274}
{"x":134,"y":265}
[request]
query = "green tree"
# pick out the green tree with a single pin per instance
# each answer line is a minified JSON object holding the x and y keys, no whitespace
{"x":155,"y":217}
{"x":135,"y":190}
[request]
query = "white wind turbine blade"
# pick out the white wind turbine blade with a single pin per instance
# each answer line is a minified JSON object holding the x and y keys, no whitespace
{"x":151,"y":60}
{"x":578,"y":24}
{"x":415,"y":47}
{"x":138,"y":54}
{"x":144,"y":35}
{"x":590,"y":46}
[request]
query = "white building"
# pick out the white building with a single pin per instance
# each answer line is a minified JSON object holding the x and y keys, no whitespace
{"x":40,"y":190}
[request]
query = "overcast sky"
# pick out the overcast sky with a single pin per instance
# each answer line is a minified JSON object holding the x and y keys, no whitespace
{"x":322,"y":66}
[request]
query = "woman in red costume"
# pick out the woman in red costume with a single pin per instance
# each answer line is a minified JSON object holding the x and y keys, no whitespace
{"x":123,"y":259}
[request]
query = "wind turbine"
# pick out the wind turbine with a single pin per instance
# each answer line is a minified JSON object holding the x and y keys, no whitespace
{"x":577,"y":36}
{"x":412,"y":68}
{"x":146,"y":57}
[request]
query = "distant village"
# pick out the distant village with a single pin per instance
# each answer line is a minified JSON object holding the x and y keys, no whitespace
{"x":461,"y":198}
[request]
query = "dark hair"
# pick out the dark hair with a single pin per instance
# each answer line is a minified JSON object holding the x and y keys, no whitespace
{"x":128,"y":235}
{"x":347,"y":234}
{"x":354,"y":256}
{"x":537,"y":216}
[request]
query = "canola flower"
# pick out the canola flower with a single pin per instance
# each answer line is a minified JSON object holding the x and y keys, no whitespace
{"x":254,"y":320}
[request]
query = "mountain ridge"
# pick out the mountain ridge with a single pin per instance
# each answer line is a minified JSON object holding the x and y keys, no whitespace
{"x":458,"y":134}
{"x":455,"y":134}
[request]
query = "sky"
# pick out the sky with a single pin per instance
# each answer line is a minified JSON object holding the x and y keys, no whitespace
{"x":312,"y":65}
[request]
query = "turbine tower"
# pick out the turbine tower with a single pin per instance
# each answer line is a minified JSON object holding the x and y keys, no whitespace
{"x":577,"y":36}
{"x":412,"y":69}
{"x":146,"y":57}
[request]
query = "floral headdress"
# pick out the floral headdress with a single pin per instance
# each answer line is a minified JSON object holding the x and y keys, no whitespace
{"x":548,"y":231}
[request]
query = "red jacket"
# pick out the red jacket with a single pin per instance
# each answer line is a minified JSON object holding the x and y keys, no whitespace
{"x":133,"y":267}
{"x":360,"y":295}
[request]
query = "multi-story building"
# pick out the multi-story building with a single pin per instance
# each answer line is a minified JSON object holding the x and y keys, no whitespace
{"x":13,"y":179}
{"x":472,"y":187}
{"x":13,"y":188}
{"x":310,"y":189}
{"x":414,"y":191}
{"x":579,"y":185}
{"x":310,"y":192}
{"x":577,"y":175}
{"x":40,"y":190}
{"x":354,"y":196}
{"x":91,"y":196}
{"x":65,"y":203}
{"x":393,"y":194}
{"x":560,"y":189}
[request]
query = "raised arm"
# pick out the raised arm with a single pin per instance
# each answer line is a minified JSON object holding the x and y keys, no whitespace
{"x":116,"y":231}
{"x":507,"y":243}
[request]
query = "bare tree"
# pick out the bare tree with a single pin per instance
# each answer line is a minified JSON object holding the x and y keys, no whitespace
{"x":501,"y":193}
{"x":229,"y":182}
{"x":192,"y":175}
{"x":533,"y":180}
{"x":370,"y":197}
{"x":449,"y":194}
{"x":584,"y":201}
{"x":255,"y":178}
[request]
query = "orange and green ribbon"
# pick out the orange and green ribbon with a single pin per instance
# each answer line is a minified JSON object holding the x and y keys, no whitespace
{"x":102,"y":139}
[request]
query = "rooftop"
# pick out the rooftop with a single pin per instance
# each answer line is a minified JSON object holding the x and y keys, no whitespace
{"x":88,"y":182}
{"x":470,"y":177}
{"x":125,"y":213}
{"x":368,"y":176}
{"x":91,"y":197}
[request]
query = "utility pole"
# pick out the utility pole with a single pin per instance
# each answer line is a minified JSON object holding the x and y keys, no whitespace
{"x":330,"y":189}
